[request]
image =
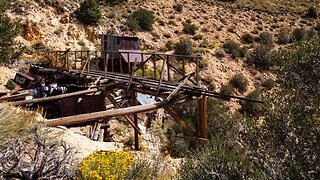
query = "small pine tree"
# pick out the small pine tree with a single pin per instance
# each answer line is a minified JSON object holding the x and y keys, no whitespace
{"x":9,"y":49}
{"x":89,"y":12}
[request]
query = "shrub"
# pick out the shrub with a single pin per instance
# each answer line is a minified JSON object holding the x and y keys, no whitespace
{"x":198,"y":37}
{"x":311,"y":33}
{"x":226,"y":90}
{"x":283,"y":37}
{"x":133,"y":24}
{"x":266,"y":39}
{"x":143,"y":18}
{"x":268,"y":84}
{"x":10,"y":85}
{"x":239,"y":82}
{"x":234,"y":49}
{"x":317,"y":26}
{"x":250,"y":107}
{"x":116,"y":2}
{"x":298,"y":34}
{"x":203,"y":63}
{"x":170,"y":45}
{"x":219,"y":159}
{"x":247,"y":38}
{"x":104,"y":165}
{"x":89,"y":12}
{"x":220,"y":53}
{"x":178,"y":7}
{"x":261,"y":57}
{"x":312,"y":12}
{"x":189,"y":28}
{"x":184,"y":47}
{"x":9,"y":48}
{"x":161,"y":22}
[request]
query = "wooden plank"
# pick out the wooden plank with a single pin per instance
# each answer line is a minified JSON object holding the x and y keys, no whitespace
{"x":135,"y":117}
{"x":178,"y":120}
{"x":103,"y":114}
{"x":14,"y":97}
{"x":131,"y":75}
{"x":174,"y":93}
{"x":101,"y":135}
{"x":161,"y":77}
{"x":183,"y":74}
{"x":126,"y":116}
{"x":202,"y":116}
{"x":51,"y":98}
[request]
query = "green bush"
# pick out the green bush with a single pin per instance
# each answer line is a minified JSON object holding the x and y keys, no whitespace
{"x":10,"y":85}
{"x":247,"y":38}
{"x":239,"y":82}
{"x":311,"y":33}
{"x":268,"y":84}
{"x":220,"y":53}
{"x":219,"y":159}
{"x":184,"y":47}
{"x":283,"y":37}
{"x":170,"y":45}
{"x":234,"y":49}
{"x":226,"y":90}
{"x":249,"y":107}
{"x":189,"y":28}
{"x":143,"y":18}
{"x":312,"y":12}
{"x":298,"y":34}
{"x":89,"y":12}
{"x":261,"y":57}
{"x":266,"y":39}
{"x":9,"y":48}
{"x":116,"y":2}
{"x":178,"y":7}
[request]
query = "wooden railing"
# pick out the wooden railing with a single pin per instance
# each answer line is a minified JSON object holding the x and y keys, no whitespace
{"x":151,"y":65}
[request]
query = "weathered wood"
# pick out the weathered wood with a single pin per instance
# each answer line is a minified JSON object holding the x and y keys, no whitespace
{"x":101,"y":135}
{"x":84,"y":66}
{"x":96,"y":132}
{"x":126,"y":116}
{"x":135,"y":117}
{"x":161,"y":77}
{"x":51,"y":98}
{"x":174,"y":93}
{"x":14,"y":97}
{"x":131,"y":75}
{"x":202,"y":116}
{"x":178,"y":120}
{"x":104,"y":114}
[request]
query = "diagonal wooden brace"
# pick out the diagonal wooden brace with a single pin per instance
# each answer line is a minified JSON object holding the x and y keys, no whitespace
{"x":175,"y":91}
{"x":127,"y":117}
{"x":179,"y":121}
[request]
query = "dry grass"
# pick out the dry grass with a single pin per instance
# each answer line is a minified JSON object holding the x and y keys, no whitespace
{"x":15,"y":121}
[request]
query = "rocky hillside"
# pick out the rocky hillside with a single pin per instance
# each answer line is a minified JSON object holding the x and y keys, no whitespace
{"x":52,"y":25}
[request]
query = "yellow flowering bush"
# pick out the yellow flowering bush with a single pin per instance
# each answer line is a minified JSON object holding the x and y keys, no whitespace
{"x":108,"y":165}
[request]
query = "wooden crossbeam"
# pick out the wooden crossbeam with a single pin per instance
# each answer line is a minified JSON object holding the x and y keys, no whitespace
{"x":85,"y":64}
{"x":175,"y":91}
{"x":126,"y":116}
{"x":14,"y":97}
{"x":51,"y":98}
{"x":178,"y":120}
{"x":103,"y":114}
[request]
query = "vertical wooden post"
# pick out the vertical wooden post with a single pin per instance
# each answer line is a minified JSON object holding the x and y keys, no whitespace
{"x":154,"y":67}
{"x":197,"y":71}
{"x":112,"y":63}
{"x":135,"y":117}
{"x":168,"y":68}
{"x":106,"y":59}
{"x":128,"y":56}
{"x":142,"y":67}
{"x":96,"y":57}
{"x":88,"y":65}
{"x":202,"y":116}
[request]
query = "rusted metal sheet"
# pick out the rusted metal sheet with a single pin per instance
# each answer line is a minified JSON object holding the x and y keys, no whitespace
{"x":82,"y":104}
{"x":23,"y":80}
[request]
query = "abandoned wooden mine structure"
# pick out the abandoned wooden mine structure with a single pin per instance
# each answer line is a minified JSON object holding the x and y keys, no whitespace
{"x":171,"y":79}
